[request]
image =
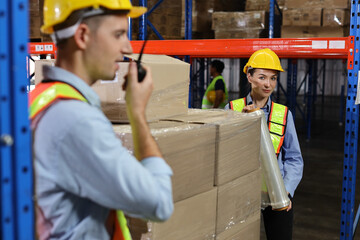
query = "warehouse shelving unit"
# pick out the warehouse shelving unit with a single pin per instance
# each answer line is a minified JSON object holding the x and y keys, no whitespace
{"x":16,"y":174}
{"x":17,"y":215}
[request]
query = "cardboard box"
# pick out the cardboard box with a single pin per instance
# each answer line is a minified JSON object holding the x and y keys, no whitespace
{"x":193,"y":219}
{"x":298,"y":32}
{"x":234,"y":21}
{"x":317,"y":4}
{"x":201,"y":16}
{"x":261,"y":5}
{"x":169,"y":97}
{"x":35,"y":24}
{"x":248,"y":230}
{"x":189,"y":149}
{"x":38,"y":69}
{"x":336,"y":17}
{"x":302,"y":17}
{"x":248,"y":33}
{"x":237,"y":141}
{"x":239,"y":202}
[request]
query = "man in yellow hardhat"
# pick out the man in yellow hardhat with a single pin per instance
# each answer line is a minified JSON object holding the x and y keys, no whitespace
{"x":83,"y":173}
{"x":262,"y":72}
{"x":216,"y":94}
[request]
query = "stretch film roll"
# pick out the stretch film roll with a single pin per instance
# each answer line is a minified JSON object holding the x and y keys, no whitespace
{"x":273,"y":188}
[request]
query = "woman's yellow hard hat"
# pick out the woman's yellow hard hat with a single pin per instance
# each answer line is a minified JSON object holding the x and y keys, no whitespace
{"x":57,"y":11}
{"x":264,"y":58}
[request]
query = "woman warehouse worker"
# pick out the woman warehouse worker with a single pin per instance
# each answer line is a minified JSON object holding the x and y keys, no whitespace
{"x":262,"y":71}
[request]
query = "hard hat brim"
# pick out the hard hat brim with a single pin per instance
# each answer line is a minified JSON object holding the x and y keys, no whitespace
{"x":136,"y":12}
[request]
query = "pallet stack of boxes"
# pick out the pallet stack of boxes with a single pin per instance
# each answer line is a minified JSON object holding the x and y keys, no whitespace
{"x":251,"y":23}
{"x":321,"y":18}
{"x":214,"y":156}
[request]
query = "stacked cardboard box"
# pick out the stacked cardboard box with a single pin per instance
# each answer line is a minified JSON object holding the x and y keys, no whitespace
{"x":231,"y":207}
{"x":169,"y":97}
{"x":201,"y":19}
{"x":34,"y":19}
{"x":250,"y":24}
{"x":166,"y":18}
{"x":258,"y":5}
{"x":321,"y":18}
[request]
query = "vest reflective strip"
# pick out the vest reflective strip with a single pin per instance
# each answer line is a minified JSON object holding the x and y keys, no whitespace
{"x":46,"y":93}
{"x":206,"y":104}
{"x":238,"y":104}
{"x":277,"y":124}
{"x":121,"y":229}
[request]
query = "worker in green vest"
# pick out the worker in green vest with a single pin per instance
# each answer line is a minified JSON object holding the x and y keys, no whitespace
{"x":262,"y":72}
{"x":216,"y":95}
{"x":85,"y":179}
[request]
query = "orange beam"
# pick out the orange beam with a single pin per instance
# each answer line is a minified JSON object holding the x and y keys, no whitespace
{"x":336,"y":48}
{"x":243,"y":48}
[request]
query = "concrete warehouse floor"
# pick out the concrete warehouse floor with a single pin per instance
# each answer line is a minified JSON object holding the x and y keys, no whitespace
{"x":317,"y":202}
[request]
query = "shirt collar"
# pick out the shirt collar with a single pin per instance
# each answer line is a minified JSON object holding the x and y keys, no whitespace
{"x":266,"y":107}
{"x":58,"y":74}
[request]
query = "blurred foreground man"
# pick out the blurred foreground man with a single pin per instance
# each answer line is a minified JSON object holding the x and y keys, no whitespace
{"x":83,"y":173}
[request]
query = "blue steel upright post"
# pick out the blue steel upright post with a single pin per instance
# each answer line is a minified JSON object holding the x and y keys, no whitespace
{"x":7,"y":191}
{"x":143,"y":21}
{"x":351,"y":134}
{"x":271,"y":18}
{"x":188,"y":35}
{"x":16,"y":166}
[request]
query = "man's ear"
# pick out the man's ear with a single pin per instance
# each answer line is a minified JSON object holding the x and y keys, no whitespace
{"x":82,"y":36}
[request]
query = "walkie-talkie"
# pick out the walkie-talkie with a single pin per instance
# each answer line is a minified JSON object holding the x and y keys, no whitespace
{"x":141,"y":70}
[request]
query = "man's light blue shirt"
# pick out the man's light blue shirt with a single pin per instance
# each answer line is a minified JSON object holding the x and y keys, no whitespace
{"x":290,"y":160}
{"x":82,"y":170}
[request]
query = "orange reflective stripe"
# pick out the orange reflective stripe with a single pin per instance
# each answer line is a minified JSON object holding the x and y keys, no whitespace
{"x":277,"y":125}
{"x":46,"y":93}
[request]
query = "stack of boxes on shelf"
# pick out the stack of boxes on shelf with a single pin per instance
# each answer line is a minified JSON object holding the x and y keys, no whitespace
{"x":322,"y":18}
{"x":251,"y":23}
{"x":34,"y":20}
{"x":166,"y":18}
{"x":214,"y":155}
{"x":201,"y":19}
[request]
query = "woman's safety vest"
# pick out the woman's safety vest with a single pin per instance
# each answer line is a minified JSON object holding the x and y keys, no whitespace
{"x":41,"y":98}
{"x":206,"y":104}
{"x":277,"y":121}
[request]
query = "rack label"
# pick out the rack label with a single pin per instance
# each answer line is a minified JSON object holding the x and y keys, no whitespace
{"x":39,"y":48}
{"x":319,"y":45}
{"x":337,"y":44}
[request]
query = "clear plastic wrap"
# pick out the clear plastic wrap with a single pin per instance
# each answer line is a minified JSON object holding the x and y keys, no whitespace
{"x":273,"y":189}
{"x":317,"y":4}
{"x":336,"y":17}
{"x":193,"y":218}
{"x":302,"y":17}
{"x":234,"y":21}
{"x":169,"y":97}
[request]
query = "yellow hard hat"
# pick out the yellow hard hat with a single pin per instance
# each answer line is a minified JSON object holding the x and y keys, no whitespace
{"x":57,"y":11}
{"x":264,"y":58}
{"x":211,"y":96}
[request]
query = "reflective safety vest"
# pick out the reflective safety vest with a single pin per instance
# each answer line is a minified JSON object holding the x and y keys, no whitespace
{"x":206,"y":104}
{"x":41,"y":98}
{"x":277,"y":121}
